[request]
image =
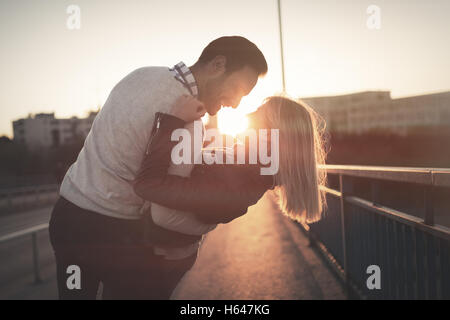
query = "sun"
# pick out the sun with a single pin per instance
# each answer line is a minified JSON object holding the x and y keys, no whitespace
{"x":232,"y":121}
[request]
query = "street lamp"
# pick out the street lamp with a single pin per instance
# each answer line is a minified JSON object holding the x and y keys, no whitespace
{"x":281,"y":47}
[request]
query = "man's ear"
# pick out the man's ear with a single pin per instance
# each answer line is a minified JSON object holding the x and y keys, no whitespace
{"x":218,"y":65}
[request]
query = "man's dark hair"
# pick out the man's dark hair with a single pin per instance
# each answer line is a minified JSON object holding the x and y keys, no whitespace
{"x":239,"y":53}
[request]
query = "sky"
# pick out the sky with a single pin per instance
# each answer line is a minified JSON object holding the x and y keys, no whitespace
{"x":329,"y":49}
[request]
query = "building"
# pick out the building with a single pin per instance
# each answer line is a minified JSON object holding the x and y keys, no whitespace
{"x":375,"y":110}
{"x":43,"y":130}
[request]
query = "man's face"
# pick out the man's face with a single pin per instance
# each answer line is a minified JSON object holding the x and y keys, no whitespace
{"x":228,"y":89}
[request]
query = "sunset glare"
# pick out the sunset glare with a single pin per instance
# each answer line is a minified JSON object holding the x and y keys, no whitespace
{"x":232,"y":121}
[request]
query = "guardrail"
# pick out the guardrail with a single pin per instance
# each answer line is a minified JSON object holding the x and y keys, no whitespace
{"x":33,"y":231}
{"x":412,"y":252}
{"x":24,"y":197}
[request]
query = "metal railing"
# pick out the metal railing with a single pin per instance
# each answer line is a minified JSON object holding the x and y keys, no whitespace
{"x":33,"y":231}
{"x":25,"y":197}
{"x":358,"y":230}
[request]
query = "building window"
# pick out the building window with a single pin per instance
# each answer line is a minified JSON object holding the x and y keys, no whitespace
{"x":55,"y":138}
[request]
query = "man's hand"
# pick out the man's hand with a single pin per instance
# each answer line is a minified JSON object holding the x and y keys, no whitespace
{"x":188,"y":108}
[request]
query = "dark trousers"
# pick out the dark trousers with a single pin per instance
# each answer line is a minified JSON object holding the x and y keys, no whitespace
{"x":111,"y":251}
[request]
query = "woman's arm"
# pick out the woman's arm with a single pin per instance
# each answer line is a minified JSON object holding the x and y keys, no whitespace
{"x":212,"y":200}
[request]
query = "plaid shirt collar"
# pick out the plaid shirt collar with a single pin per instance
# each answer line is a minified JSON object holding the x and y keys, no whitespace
{"x":183,"y":74}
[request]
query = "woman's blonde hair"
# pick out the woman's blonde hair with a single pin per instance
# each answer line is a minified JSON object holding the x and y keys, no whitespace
{"x":301,"y":150}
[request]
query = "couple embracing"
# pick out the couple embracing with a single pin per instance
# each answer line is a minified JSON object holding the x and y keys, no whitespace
{"x":130,"y":218}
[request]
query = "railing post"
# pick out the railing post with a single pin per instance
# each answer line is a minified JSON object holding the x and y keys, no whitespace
{"x":37,"y":275}
{"x":343,"y":231}
{"x":429,"y":205}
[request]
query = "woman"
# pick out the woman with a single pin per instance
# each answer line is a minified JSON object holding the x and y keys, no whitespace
{"x":219,"y":193}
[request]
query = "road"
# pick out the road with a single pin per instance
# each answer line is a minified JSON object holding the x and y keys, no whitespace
{"x":262,"y":255}
{"x":16,"y":269}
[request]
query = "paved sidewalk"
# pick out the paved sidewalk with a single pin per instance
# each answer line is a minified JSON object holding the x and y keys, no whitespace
{"x":262,"y":255}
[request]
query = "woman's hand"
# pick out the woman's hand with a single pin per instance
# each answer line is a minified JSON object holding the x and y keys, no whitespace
{"x":188,"y":108}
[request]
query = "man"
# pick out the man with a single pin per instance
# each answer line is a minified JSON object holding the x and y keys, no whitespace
{"x":96,"y":224}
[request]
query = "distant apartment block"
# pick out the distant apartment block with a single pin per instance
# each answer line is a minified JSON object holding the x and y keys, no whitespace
{"x":375,"y":110}
{"x":43,"y":130}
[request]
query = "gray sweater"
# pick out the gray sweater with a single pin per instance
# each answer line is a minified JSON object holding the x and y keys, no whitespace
{"x":101,"y":178}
